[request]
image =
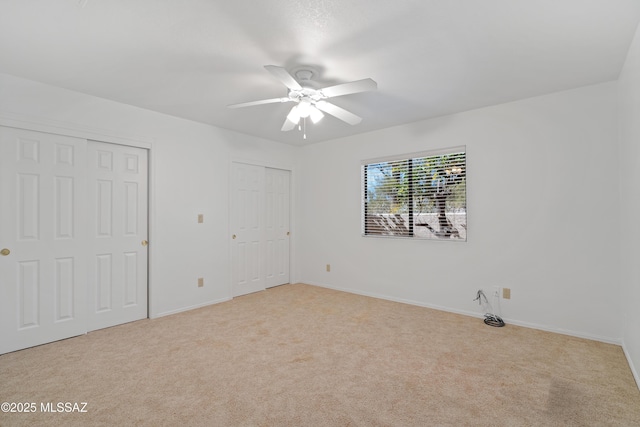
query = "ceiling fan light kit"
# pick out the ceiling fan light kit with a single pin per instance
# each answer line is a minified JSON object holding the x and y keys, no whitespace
{"x":316,"y":115}
{"x":310,"y":102}
{"x":294,"y":115}
{"x":304,"y":107}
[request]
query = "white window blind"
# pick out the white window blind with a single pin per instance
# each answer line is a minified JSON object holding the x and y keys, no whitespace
{"x":421,"y":195}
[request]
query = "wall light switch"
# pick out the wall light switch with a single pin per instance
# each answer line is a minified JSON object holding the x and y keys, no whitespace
{"x":200,"y":282}
{"x":506,"y":293}
{"x":328,"y":268}
{"x":200,"y":218}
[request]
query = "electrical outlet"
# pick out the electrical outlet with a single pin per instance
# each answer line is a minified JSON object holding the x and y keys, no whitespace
{"x":200,"y":218}
{"x":506,"y":293}
{"x":496,"y":292}
{"x":200,"y":282}
{"x":328,"y":268}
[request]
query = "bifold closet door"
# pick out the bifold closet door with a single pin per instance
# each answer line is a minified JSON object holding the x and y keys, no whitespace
{"x":117,"y":216}
{"x":42,"y":238}
{"x":277,"y":232}
{"x":259,"y":227}
{"x":73,"y":230}
{"x":247,"y":228}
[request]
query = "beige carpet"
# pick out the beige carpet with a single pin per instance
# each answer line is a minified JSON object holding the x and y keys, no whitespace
{"x":299,"y":355}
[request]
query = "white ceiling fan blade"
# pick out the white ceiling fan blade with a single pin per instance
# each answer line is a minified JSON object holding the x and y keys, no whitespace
{"x":349,"y":88}
{"x":284,"y":76}
{"x":264,"y":101}
{"x":338,"y":112}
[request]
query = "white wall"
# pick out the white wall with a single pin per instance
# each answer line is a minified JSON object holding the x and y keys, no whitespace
{"x":190,"y":175}
{"x":542,"y":203}
{"x":629,"y":113}
{"x":542,"y":211}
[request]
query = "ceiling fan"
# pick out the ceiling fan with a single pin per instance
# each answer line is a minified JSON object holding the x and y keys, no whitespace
{"x":311,"y":102}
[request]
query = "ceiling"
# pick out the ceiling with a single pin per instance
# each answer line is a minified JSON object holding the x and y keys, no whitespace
{"x":191,"y":59}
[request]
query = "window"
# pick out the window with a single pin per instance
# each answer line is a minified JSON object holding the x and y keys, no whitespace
{"x":421,"y":195}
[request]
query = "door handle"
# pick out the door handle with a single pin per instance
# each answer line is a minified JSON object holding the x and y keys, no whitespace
{"x":144,"y":243}
{"x":233,"y":237}
{"x":5,"y":252}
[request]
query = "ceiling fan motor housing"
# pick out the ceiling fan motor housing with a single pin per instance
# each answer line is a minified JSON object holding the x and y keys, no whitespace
{"x":304,"y":75}
{"x":306,"y":93}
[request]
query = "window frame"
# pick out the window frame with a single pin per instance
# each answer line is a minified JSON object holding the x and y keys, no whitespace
{"x":410,"y":158}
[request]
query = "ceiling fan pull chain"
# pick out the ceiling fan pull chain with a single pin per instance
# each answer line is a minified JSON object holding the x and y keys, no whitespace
{"x":304,"y":123}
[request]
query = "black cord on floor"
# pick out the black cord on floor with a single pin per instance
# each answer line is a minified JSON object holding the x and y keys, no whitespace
{"x":489,"y":318}
{"x":493,"y":320}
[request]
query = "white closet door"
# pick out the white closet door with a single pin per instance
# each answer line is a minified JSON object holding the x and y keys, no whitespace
{"x":247,"y":227}
{"x":117,"y":288}
{"x":42,"y":238}
{"x":277,"y":183}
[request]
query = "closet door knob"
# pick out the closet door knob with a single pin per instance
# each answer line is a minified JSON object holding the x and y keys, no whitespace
{"x":144,"y":243}
{"x":5,"y":252}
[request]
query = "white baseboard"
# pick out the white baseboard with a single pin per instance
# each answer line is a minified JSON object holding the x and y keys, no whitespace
{"x":608,"y":340}
{"x":631,"y":365}
{"x":394,"y":299}
{"x":191,"y":307}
